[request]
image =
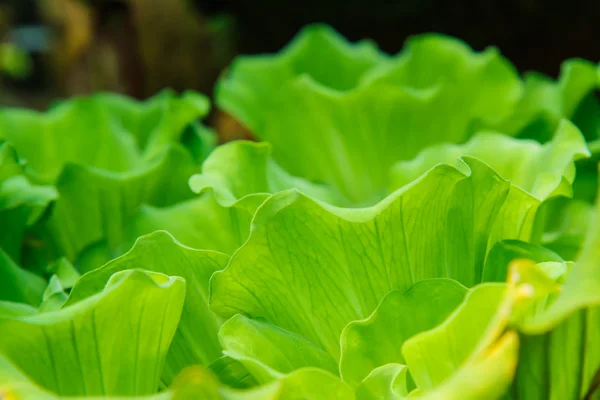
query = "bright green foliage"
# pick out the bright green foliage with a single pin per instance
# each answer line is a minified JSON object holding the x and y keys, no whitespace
{"x":107,"y":156}
{"x":19,"y":285}
{"x":545,"y":102}
{"x":417,"y":226}
{"x":80,"y":351}
{"x":195,"y":341}
{"x":238,"y":177}
{"x":346,"y":119}
{"x":416,"y":233}
{"x":21,"y":202}
{"x":369,"y":344}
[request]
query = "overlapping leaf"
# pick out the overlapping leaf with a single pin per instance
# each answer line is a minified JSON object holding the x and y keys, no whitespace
{"x":441,"y":225}
{"x":319,"y":302}
{"x":347,"y":129}
{"x":195,"y":341}
{"x":108,"y":155}
{"x":79,"y":350}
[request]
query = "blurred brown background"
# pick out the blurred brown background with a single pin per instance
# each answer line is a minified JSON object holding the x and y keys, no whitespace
{"x":60,"y":48}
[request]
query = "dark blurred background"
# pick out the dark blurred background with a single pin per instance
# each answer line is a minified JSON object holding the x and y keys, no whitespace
{"x":60,"y":48}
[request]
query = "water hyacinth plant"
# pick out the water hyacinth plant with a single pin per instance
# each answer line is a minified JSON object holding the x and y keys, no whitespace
{"x":418,"y":225}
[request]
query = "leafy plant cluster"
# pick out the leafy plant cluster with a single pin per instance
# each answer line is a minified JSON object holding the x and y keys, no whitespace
{"x":410,"y":226}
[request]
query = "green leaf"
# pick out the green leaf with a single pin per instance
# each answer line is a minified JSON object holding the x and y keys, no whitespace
{"x":232,"y":373}
{"x":295,"y":242}
{"x":105,"y":131}
{"x":467,"y":356}
{"x":561,"y":363}
{"x":80,"y":350}
{"x":581,"y":289}
{"x":387,"y":382}
{"x":201,"y":223}
{"x":311,"y":384}
{"x":377,"y":340}
{"x":55,"y":296}
{"x":9,"y":163}
{"x":561,"y":336}
{"x":21,"y":205}
{"x":243,"y":174}
{"x":499,"y":258}
{"x":140,"y":160}
{"x":15,"y":385}
{"x":348,"y":136}
{"x":541,"y":170}
{"x":486,"y":376}
{"x":17,"y":284}
{"x":585,"y":186}
{"x":63,"y":279}
{"x":305,"y":384}
{"x":541,"y":371}
{"x":477,"y":88}
{"x":235,"y":180}
{"x":268,"y":351}
{"x":317,"y":53}
{"x":65,"y":272}
{"x":200,"y":141}
{"x":447,"y":220}
{"x":94,"y":206}
{"x":545,"y":102}
{"x":195,"y":383}
{"x":195,"y":341}
{"x":434,"y":355}
{"x":567,"y":226}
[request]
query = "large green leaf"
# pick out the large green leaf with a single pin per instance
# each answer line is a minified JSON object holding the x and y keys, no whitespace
{"x":349,"y":135}
{"x":296,"y":242}
{"x":112,"y":343}
{"x":440,"y":225}
{"x":541,"y":171}
{"x":195,"y":341}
